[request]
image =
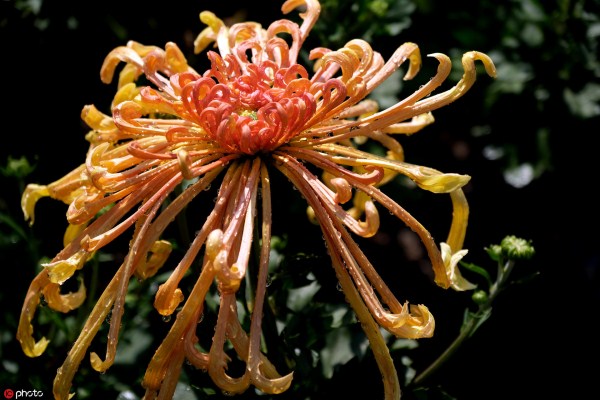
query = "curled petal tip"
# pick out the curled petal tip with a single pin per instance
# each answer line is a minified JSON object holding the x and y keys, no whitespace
{"x":451,"y":259}
{"x":273,"y":385}
{"x":371,"y":223}
{"x":166,"y":302}
{"x":210,"y":19}
{"x":437,"y":182}
{"x":214,"y":243}
{"x":31,"y":195}
{"x":61,"y":270}
{"x":419,"y":324}
{"x":159,"y":253}
{"x":488,"y":64}
{"x":63,"y":302}
{"x":32,"y":348}
{"x":97,"y":363}
{"x":209,"y":34}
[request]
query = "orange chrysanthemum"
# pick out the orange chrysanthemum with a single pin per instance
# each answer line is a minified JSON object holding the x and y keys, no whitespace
{"x":255,"y":111}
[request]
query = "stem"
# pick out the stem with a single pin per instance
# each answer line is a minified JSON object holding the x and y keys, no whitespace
{"x":471,"y":325}
{"x":434,"y":366}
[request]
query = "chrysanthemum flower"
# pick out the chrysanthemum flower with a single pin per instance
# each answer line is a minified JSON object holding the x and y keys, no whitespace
{"x":254,"y":113}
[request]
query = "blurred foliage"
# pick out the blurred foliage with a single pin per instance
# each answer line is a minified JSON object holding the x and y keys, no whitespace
{"x":547,"y":56}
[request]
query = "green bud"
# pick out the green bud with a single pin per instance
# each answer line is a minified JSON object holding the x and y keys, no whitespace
{"x":278,"y":243}
{"x":515,"y":248}
{"x":479,"y":297}
{"x":17,"y":167}
{"x":494,"y":251}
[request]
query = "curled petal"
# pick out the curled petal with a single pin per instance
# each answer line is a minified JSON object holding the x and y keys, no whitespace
{"x":30,"y":347}
{"x":66,"y":372}
{"x":229,"y":277}
{"x":437,"y":182}
{"x":214,"y":242}
{"x":63,"y":302}
{"x":31,"y":195}
{"x":127,"y":92}
{"x":175,"y":58}
{"x":159,"y":252}
{"x":420,"y":324}
{"x":310,"y":16}
{"x":185,"y":163}
{"x":116,"y":56}
{"x":215,"y":32}
{"x":61,"y":270}
{"x":417,"y":123}
{"x":343,"y":190}
{"x":103,"y":126}
{"x":426,"y":178}
{"x":408,"y":51}
{"x":370,"y":225}
{"x":468,"y":79}
{"x":167,"y":301}
{"x":129,"y":74}
{"x":217,"y":357}
{"x":451,"y":259}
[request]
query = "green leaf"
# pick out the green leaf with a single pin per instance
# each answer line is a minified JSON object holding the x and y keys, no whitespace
{"x":300,"y":297}
{"x":585,"y":103}
{"x":478,"y":270}
{"x":340,"y":349}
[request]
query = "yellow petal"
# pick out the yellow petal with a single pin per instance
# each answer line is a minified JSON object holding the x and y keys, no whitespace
{"x":451,"y":259}
{"x":30,"y":347}
{"x":159,"y":253}
{"x":61,"y":270}
{"x":167,"y":299}
{"x":209,"y":34}
{"x":437,"y":182}
{"x":72,"y":232}
{"x":63,"y":302}
{"x":31,"y":195}
{"x":175,"y":58}
{"x":127,"y":92}
{"x":420,"y":324}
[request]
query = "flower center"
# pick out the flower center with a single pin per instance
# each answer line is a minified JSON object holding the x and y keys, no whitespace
{"x":248,"y":113}
{"x":253,"y":110}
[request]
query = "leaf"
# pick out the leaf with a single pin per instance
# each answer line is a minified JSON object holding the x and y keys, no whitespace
{"x":478,"y":270}
{"x":585,"y":103}
{"x":300,"y":297}
{"x":339,"y":350}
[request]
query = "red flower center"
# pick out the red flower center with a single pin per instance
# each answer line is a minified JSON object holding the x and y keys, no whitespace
{"x":250,"y":110}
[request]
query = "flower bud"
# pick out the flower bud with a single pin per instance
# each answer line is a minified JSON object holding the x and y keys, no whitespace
{"x":479,"y":297}
{"x":494,"y":251}
{"x":515,"y":248}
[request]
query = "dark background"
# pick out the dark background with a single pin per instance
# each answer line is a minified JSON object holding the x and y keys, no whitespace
{"x":542,"y":111}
